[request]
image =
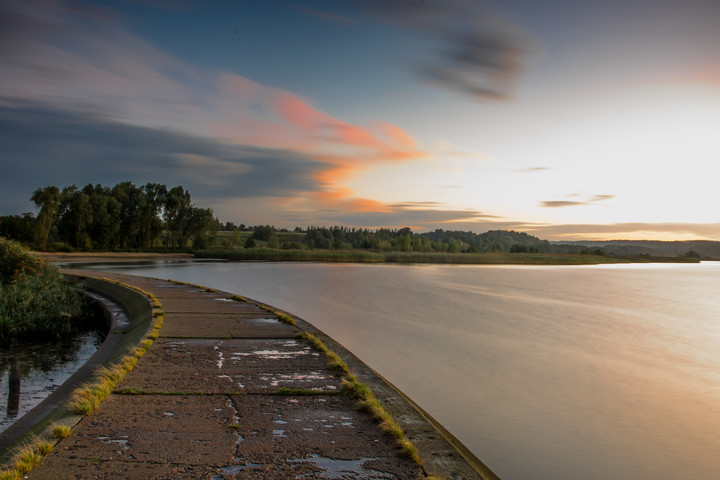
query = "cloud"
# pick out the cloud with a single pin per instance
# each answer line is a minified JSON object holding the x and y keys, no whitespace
{"x":626,"y":231}
{"x":398,"y":216}
{"x":474,"y":52}
{"x":116,"y":105}
{"x":561,"y":203}
{"x":43,"y":146}
{"x":533,"y":169}
{"x":483,"y":65}
{"x":592,"y":200}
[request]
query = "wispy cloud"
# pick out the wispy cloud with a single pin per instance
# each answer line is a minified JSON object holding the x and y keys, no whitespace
{"x":592,"y":200}
{"x":533,"y":169}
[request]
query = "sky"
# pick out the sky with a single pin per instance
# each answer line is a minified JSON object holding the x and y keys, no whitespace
{"x":564,"y":119}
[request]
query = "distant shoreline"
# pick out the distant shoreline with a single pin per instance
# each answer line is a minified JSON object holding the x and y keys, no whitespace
{"x":361,"y":256}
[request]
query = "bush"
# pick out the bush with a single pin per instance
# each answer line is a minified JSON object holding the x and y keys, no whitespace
{"x":35,"y":299}
{"x":14,"y":260}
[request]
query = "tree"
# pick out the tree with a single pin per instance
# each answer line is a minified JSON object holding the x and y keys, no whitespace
{"x":105,"y":225}
{"x":263,"y":233}
{"x":176,"y":212}
{"x":250,"y":243}
{"x":75,"y":217}
{"x":150,"y":226}
{"x":47,"y":200}
{"x":18,"y":227}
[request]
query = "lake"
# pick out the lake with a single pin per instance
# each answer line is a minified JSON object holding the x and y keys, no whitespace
{"x":544,"y":372}
{"x":30,"y":372}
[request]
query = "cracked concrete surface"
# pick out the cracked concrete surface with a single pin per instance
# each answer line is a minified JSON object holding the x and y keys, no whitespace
{"x":228,"y":392}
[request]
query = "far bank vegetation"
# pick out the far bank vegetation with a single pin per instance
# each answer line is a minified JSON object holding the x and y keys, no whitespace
{"x":155,"y":218}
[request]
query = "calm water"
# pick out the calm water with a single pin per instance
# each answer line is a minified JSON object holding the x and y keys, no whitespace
{"x":544,"y":372}
{"x":29,"y":373}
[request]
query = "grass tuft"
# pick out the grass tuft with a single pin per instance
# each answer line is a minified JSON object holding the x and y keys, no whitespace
{"x":26,"y":458}
{"x":334,"y":361}
{"x":60,"y":431}
{"x":366,"y":400}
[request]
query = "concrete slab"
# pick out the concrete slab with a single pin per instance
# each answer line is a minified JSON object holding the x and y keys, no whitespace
{"x":231,"y":366}
{"x":148,"y":435}
{"x":314,"y":437}
{"x":200,"y":304}
{"x":241,"y":426}
{"x":262,"y":325}
{"x":59,"y":468}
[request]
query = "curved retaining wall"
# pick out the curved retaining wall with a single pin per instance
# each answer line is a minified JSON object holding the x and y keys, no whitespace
{"x":441,"y":452}
{"x":122,"y":337}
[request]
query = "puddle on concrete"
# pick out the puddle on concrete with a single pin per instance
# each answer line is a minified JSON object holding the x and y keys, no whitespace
{"x":123,"y":440}
{"x":221,"y":357}
{"x":295,"y":378}
{"x":236,"y":421}
{"x":235,"y":469}
{"x":333,"y":468}
{"x":268,"y":321}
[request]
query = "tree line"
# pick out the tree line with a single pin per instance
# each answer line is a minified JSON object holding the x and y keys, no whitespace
{"x":405,"y":240}
{"x":124,"y":216}
{"x":151,"y":216}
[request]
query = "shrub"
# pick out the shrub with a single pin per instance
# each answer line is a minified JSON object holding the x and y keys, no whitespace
{"x":35,"y":300}
{"x":14,"y":260}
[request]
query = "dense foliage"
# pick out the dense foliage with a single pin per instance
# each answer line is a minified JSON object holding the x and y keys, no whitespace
{"x":35,"y":300}
{"x":405,"y":240}
{"x":109,"y":218}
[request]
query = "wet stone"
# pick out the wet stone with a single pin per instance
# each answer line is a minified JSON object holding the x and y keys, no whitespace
{"x":231,"y":366}
{"x":221,"y":325}
{"x":57,"y":467}
{"x":324,"y":436}
{"x":149,"y":429}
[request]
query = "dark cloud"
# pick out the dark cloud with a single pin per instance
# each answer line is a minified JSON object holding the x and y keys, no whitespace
{"x":475,"y":53}
{"x":43,"y":146}
{"x":482,"y":64}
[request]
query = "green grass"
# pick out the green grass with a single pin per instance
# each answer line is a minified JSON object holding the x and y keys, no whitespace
{"x":367,"y":401}
{"x":88,"y":397}
{"x":282,"y":316}
{"x":26,"y":459}
{"x":60,"y":431}
{"x":334,"y":361}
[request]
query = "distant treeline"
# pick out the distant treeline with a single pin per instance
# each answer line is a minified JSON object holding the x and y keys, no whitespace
{"x":110,"y":218}
{"x":404,"y":240}
{"x":153,"y":217}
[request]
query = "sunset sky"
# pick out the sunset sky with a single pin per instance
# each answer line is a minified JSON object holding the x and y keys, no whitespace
{"x":565,"y":119}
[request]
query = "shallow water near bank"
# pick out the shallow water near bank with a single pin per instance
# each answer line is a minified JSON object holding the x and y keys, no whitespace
{"x":543,"y":372}
{"x":29,"y":373}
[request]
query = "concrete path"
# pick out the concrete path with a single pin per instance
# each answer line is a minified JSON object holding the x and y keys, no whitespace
{"x":228,"y":391}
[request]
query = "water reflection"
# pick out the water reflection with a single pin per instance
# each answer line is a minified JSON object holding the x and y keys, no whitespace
{"x":31,"y":372}
{"x":544,"y":372}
